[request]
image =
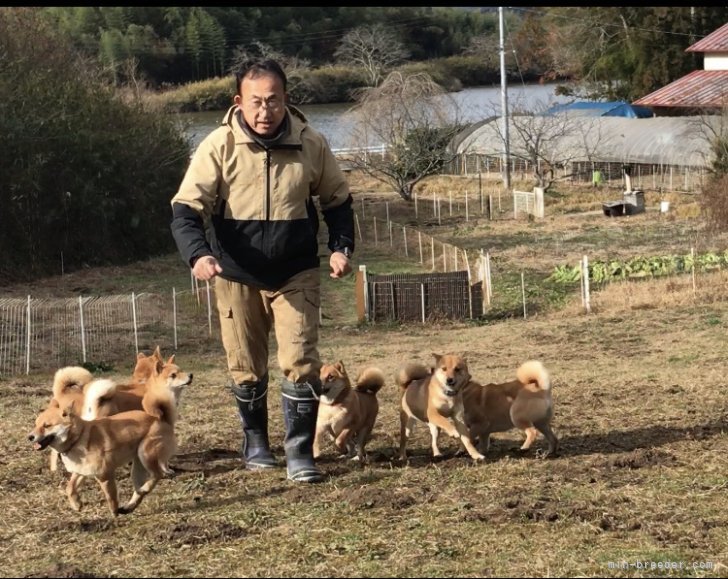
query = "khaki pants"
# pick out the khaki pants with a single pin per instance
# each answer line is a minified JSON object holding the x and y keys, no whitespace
{"x":246,"y":316}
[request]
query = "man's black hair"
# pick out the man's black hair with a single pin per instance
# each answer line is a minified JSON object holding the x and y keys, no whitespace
{"x":255,"y":67}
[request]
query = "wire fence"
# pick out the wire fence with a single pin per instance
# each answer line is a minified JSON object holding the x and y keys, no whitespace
{"x":38,"y":334}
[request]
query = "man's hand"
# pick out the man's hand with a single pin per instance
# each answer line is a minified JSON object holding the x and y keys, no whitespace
{"x":340,"y":265}
{"x":206,"y":267}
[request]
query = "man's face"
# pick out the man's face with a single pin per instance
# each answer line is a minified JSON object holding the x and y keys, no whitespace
{"x":262,"y":101}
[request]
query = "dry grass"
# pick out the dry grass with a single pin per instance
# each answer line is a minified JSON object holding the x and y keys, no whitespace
{"x":641,"y":413}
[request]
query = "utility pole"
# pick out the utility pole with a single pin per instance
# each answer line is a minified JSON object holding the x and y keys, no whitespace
{"x":505,"y":164}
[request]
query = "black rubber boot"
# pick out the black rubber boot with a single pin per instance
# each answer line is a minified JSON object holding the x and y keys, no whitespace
{"x":300,"y":410}
{"x":252,"y":399}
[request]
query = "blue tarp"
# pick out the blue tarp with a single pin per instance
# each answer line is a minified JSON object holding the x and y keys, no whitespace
{"x":603,"y":109}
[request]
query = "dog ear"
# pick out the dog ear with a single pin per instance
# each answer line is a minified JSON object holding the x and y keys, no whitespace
{"x":171,"y":359}
{"x":158,"y":367}
{"x":157,"y":353}
{"x":69,"y":411}
{"x":140,"y":355}
{"x":437,"y":358}
{"x":340,"y":367}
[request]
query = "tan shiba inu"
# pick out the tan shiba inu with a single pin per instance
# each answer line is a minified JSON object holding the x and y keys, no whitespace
{"x":347,"y":413}
{"x":99,"y":447}
{"x":435,"y":398}
{"x":523,"y":403}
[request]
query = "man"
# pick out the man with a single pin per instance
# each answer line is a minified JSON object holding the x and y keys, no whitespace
{"x":253,"y":178}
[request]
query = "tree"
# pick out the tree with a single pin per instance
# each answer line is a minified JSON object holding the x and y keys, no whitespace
{"x":299,"y":87}
{"x":374,"y":48}
{"x":414,"y":119}
{"x":545,"y":141}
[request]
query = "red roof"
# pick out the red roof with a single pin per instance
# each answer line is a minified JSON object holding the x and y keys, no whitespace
{"x":700,"y":88}
{"x":716,"y":41}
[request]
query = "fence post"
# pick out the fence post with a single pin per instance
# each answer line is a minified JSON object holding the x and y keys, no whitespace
{"x":209,"y":307}
{"x":356,"y":219}
{"x":692,"y":255}
{"x":444,"y":258}
{"x":174,"y":316}
{"x":432,"y":242}
{"x":404,"y":234}
{"x":363,"y":214}
{"x":83,"y":336}
{"x":134,"y":318}
{"x":470,"y":284}
{"x":450,"y":203}
{"x":585,"y":277}
{"x":391,"y":241}
{"x":415,"y":195}
{"x":419,"y":242}
{"x":488,"y":278}
{"x":523,"y":293}
{"x":376,"y":240}
{"x":362,"y":294}
{"x":27,"y":341}
{"x":422,"y":301}
{"x":490,"y":207}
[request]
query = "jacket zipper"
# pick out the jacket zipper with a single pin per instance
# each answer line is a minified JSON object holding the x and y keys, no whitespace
{"x":266,"y":163}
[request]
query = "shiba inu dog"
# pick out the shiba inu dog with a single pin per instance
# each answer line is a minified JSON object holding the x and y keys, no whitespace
{"x":436,"y":399}
{"x":103,"y":397}
{"x":99,"y":447}
{"x":523,"y":403}
{"x":347,"y":413}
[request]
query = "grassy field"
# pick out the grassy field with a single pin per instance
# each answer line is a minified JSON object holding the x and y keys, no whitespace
{"x":640,"y":410}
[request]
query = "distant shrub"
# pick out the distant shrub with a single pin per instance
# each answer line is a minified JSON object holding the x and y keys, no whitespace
{"x":81,"y":172}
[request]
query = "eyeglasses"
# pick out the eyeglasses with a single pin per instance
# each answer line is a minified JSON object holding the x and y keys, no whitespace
{"x":271,"y":105}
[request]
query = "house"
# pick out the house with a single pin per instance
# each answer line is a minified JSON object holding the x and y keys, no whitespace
{"x":701,"y":91}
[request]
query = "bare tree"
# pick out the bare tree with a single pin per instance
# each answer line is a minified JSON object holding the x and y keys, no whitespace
{"x":300,"y":88}
{"x":414,"y":119}
{"x":546,"y":141}
{"x":375,"y":48}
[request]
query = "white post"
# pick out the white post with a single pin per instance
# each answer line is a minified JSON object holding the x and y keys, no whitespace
{"x":83,"y":331}
{"x":134,"y":318}
{"x":419,"y":242}
{"x":432,"y":240}
{"x":434,"y":204}
{"x":363,"y":214}
{"x":363,"y":270}
{"x":444,"y":257}
{"x":470,"y":284}
{"x":490,"y":281}
{"x":422,"y":301}
{"x":455,"y":250}
{"x":585,"y":276}
{"x":386,"y":204}
{"x":27,"y":341}
{"x":192,"y":282}
{"x":416,"y":206}
{"x":490,"y":206}
{"x":467,"y":213}
{"x":209,"y":307}
{"x":523,"y":292}
{"x":358,"y":227}
{"x":391,"y":240}
{"x":450,"y":203}
{"x":692,"y":255}
{"x":376,"y":241}
{"x":404,"y":234}
{"x":439,"y":211}
{"x":174,"y":315}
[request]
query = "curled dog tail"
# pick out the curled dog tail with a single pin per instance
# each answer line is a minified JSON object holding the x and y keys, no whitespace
{"x":370,"y":380}
{"x":409,"y":373}
{"x":70,"y":377}
{"x":534,"y":371}
{"x":159,"y":401}
{"x":96,"y":393}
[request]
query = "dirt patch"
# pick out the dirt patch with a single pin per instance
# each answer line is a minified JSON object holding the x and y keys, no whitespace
{"x":62,"y":570}
{"x":189,"y":534}
{"x":642,"y":458}
{"x":372,"y":498}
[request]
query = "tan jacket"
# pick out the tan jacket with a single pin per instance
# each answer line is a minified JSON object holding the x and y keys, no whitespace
{"x":259,"y":202}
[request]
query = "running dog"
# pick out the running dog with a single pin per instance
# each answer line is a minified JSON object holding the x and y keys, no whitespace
{"x":435,"y":398}
{"x":99,"y":447}
{"x":347,"y":413}
{"x":523,"y":403}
